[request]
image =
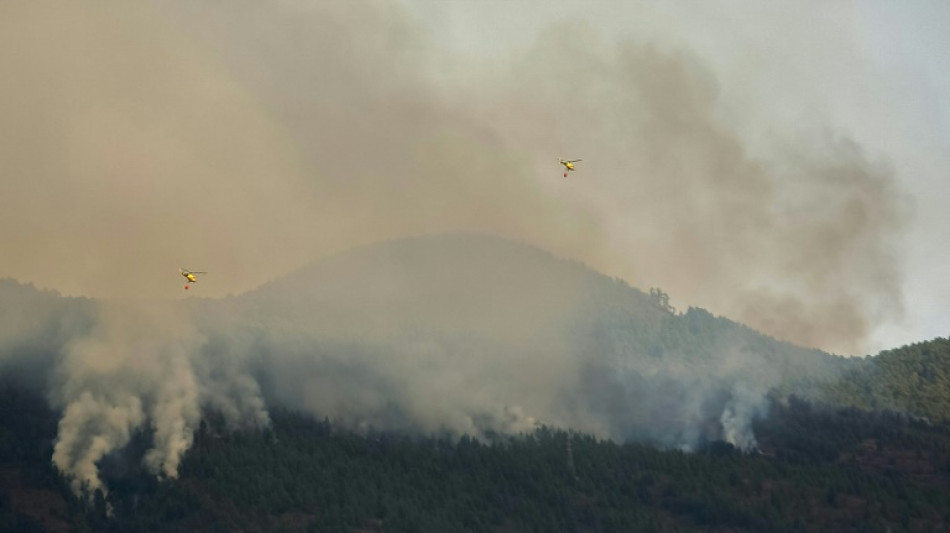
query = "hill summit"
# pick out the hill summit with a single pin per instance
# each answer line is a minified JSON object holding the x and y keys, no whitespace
{"x":474,"y":333}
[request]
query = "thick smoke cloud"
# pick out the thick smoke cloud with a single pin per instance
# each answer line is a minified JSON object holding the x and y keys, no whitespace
{"x":249,"y":138}
{"x":805,"y":235}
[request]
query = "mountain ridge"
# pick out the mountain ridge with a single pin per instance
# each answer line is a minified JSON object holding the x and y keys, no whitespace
{"x":506,"y":335}
{"x":517,"y":334}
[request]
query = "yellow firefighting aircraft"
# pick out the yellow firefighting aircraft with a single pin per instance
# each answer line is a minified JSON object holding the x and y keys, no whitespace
{"x":190,"y":276}
{"x":568,"y":165}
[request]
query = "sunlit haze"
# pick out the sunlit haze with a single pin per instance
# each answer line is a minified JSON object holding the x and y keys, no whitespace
{"x":781,"y":164}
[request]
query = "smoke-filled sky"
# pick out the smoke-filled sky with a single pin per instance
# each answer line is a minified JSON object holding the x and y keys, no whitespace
{"x":783,"y":164}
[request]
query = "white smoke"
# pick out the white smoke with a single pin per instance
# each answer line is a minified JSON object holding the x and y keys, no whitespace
{"x":92,"y":427}
{"x":138,"y":366}
{"x":747,"y":402}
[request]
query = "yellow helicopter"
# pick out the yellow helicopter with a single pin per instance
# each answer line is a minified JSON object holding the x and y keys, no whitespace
{"x":568,"y":165}
{"x":190,"y":276}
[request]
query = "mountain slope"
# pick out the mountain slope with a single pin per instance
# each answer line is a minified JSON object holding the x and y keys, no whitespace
{"x":474,"y":333}
{"x":913,"y":379}
{"x":822,"y":470}
{"x":35,"y":326}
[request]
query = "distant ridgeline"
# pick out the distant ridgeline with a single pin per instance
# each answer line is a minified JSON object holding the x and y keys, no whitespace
{"x":489,"y":291}
{"x":503,"y":321}
{"x":384,"y":329}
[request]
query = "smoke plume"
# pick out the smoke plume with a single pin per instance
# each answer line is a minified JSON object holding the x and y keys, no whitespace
{"x":139,"y":365}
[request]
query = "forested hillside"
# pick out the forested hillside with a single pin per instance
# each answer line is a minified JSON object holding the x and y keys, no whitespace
{"x":913,"y":379}
{"x":819,"y":469}
{"x":35,"y":325}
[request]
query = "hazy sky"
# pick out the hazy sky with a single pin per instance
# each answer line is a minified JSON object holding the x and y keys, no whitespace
{"x":876,"y":71}
{"x":783,"y":164}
